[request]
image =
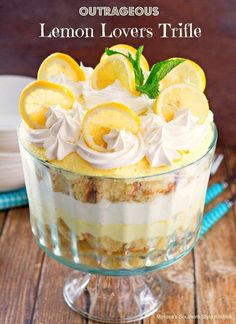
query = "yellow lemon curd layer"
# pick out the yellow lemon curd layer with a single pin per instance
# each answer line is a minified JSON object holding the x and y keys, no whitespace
{"x":74,"y":163}
{"x":122,"y":232}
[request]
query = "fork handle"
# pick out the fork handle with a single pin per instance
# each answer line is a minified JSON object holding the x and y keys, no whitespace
{"x":210,"y":218}
{"x":214,"y":191}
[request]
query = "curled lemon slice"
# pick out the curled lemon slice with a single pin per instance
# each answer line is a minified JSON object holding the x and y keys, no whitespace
{"x":59,"y":63}
{"x":115,"y":67}
{"x":101,"y":119}
{"x":187,"y":72}
{"x":181,"y":96}
{"x":125,"y":49}
{"x":38,"y":96}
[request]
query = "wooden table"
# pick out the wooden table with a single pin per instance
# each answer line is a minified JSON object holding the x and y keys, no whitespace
{"x":201,"y":286}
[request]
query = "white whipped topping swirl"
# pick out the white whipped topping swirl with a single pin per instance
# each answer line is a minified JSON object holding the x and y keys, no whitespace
{"x":124,"y":149}
{"x":161,"y":142}
{"x":113,"y":93}
{"x":76,"y":87}
{"x":66,"y":82}
{"x":159,"y":149}
{"x":116,"y":93}
{"x":164,"y":141}
{"x":61,"y":134}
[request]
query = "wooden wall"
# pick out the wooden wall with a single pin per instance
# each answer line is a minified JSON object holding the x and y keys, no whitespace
{"x":21,"y":51}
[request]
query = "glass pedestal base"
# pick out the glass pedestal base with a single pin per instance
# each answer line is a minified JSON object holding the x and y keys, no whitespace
{"x":112,"y":299}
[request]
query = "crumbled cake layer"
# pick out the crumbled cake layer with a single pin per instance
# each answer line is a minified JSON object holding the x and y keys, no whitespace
{"x":111,"y":254}
{"x":93,"y":190}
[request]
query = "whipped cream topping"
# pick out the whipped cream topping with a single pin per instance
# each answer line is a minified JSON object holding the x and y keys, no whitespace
{"x":113,"y":93}
{"x":123,"y":147}
{"x":62,"y":136}
{"x":164,"y":141}
{"x":64,"y":81}
{"x":76,"y":87}
{"x":61,"y":133}
{"x":161,"y":142}
{"x":116,"y":93}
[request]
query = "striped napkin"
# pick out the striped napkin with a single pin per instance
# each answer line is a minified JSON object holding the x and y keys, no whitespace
{"x":13,"y":199}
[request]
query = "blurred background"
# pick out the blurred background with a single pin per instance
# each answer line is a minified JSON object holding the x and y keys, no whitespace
{"x":22,"y":50}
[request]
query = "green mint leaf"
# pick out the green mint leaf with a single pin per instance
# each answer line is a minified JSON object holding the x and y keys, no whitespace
{"x":110,"y":52}
{"x":161,"y":69}
{"x":139,"y":53}
{"x":158,"y":72}
{"x":151,"y":89}
{"x":138,"y":73}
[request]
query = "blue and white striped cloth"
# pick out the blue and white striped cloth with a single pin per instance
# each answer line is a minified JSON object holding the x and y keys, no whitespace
{"x":12,"y":199}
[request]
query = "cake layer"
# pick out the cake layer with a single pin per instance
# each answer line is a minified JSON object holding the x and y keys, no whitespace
{"x":122,"y":221}
{"x":106,"y":252}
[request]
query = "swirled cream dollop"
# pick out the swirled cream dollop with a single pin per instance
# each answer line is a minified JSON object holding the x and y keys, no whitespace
{"x":61,"y":133}
{"x":161,"y":142}
{"x":124,"y":148}
{"x":117,"y":93}
{"x":66,"y":82}
{"x":164,"y":141}
{"x":62,"y":136}
{"x":76,"y":87}
{"x":113,"y":93}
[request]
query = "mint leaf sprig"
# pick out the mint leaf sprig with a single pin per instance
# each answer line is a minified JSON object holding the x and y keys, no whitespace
{"x":138,"y":72}
{"x":157,"y":73}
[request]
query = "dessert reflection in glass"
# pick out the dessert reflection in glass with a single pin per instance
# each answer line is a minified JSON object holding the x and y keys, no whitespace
{"x":116,"y":178}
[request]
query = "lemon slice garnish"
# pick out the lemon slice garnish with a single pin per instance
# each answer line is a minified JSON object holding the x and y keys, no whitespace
{"x":59,"y":63}
{"x":115,"y":67}
{"x":187,"y":72}
{"x":125,"y":49}
{"x":101,"y":119}
{"x":181,"y":96}
{"x":38,"y":96}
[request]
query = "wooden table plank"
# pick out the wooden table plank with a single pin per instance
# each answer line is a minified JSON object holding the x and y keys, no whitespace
{"x":20,"y":263}
{"x":179,"y":301}
{"x":215,"y":266}
{"x":179,"y":281}
{"x":3,"y":215}
{"x":231,"y":167}
{"x":50,"y":306}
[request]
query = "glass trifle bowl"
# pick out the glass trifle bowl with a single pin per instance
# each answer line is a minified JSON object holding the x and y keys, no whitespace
{"x":116,"y":232}
{"x":116,"y":162}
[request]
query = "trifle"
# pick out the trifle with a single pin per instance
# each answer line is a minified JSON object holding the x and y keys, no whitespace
{"x":116,"y":159}
{"x":116,"y":162}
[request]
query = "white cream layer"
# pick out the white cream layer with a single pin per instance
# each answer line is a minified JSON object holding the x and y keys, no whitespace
{"x":162,"y":208}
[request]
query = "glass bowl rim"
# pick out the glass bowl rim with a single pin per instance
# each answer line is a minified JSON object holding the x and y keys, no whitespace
{"x":59,"y":169}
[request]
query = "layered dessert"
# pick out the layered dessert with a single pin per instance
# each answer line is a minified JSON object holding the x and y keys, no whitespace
{"x":116,"y":158}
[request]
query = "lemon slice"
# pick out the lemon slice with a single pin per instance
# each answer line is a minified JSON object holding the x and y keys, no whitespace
{"x":38,"y":96}
{"x":181,"y":96}
{"x":59,"y":63}
{"x":125,"y":49}
{"x":101,"y":119}
{"x":187,"y":72}
{"x":115,"y":67}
